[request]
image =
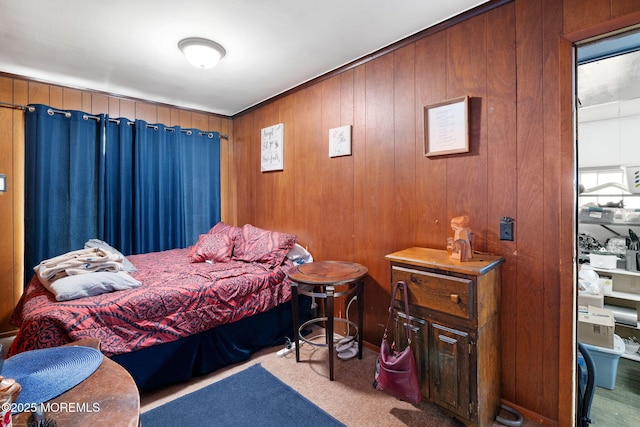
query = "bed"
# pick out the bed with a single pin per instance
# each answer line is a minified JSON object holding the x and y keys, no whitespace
{"x":193,"y":310}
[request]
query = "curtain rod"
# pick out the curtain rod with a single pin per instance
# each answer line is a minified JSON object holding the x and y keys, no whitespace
{"x":16,"y":106}
{"x":88,"y":116}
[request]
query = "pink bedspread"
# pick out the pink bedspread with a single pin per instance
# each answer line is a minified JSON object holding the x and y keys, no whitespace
{"x":177,"y":298}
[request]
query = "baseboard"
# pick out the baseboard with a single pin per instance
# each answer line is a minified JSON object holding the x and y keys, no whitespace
{"x":370,"y":346}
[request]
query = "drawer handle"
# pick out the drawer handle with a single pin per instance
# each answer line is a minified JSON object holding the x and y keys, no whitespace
{"x":455,"y":298}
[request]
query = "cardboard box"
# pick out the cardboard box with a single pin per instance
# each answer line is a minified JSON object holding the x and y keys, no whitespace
{"x":585,"y":299}
{"x":596,"y":327}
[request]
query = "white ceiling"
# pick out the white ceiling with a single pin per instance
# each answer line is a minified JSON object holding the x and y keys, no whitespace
{"x":129,"y":48}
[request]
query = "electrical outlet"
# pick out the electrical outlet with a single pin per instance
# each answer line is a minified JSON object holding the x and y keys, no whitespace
{"x":506,"y":228}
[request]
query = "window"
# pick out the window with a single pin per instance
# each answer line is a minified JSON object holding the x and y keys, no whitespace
{"x":606,"y":185}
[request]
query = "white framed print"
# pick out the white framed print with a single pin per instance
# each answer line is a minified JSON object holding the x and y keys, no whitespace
{"x":340,"y":141}
{"x":446,"y":127}
{"x":272,"y":151}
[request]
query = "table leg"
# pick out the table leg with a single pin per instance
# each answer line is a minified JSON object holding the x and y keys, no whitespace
{"x":296,"y":318}
{"x":330,"y":291}
{"x":360,"y":300}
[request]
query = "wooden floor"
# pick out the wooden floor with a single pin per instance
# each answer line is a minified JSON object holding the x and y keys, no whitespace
{"x":621,"y":406}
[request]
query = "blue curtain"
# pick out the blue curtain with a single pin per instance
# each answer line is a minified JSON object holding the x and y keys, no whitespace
{"x":139,"y":187}
{"x":200,"y":180}
{"x":62,"y":154}
{"x":157,"y":189}
{"x":116,"y":185}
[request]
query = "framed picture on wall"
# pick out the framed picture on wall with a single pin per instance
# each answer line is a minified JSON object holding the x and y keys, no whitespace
{"x":446,"y":127}
{"x":340,"y":141}
{"x":272,"y":151}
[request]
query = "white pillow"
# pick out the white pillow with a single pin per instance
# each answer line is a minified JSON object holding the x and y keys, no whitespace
{"x":299,"y":255}
{"x":90,"y":284}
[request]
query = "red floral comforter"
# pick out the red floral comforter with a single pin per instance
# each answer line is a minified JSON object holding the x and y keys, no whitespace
{"x":177,"y":298}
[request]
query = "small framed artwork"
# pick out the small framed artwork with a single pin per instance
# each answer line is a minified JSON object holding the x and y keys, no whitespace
{"x":340,"y":141}
{"x":446,"y":127}
{"x":272,"y":150}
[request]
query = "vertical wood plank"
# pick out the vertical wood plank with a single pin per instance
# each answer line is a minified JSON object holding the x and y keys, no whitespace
{"x":347,"y":118}
{"x":38,"y":93}
{"x":114,"y":108}
{"x":379,"y":155}
{"x":466,"y":173}
{"x":164,"y":115}
{"x":263,"y":189}
{"x":242,"y":157}
{"x":308,"y":174}
{"x":8,"y":223}
{"x":432,"y":222}
{"x":128,"y":109}
{"x":20,"y":97}
{"x":86,"y":101}
{"x":185,"y":119}
{"x":502,"y":174}
{"x":338,"y":172}
{"x":146,"y":112}
{"x":552,"y":30}
{"x":71,"y":99}
{"x":199,"y":121}
{"x":530,"y":190}
{"x":283,"y":182}
{"x":406,"y":114}
{"x":55,"y":97}
{"x":99,"y":104}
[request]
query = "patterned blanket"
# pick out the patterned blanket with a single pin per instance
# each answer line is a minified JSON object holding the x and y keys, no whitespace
{"x":177,"y":298}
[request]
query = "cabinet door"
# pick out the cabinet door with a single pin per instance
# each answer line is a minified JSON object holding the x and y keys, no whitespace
{"x":419,"y":344}
{"x":449,"y":363}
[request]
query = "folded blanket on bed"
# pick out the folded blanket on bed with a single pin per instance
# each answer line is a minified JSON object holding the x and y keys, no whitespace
{"x":77,"y":262}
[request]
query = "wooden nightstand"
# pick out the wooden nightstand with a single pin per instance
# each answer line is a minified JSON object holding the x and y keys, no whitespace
{"x":456,"y":326}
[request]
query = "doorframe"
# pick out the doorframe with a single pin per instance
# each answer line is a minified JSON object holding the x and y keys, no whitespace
{"x":568,"y":228}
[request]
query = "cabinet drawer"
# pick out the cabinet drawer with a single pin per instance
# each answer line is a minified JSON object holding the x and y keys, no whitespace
{"x":447,"y":294}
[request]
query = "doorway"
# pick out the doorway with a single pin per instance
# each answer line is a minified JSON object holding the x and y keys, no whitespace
{"x":608,"y":159}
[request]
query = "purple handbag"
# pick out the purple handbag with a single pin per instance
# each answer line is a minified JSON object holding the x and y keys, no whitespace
{"x":398,"y":373}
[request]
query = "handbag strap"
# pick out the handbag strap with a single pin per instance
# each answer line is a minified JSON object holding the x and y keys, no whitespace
{"x":396,"y":287}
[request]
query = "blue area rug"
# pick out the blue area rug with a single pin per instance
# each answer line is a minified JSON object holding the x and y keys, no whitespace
{"x":252,"y":397}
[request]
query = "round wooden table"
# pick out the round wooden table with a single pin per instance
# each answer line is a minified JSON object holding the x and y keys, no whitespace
{"x":327,"y":280}
{"x":108,"y":397}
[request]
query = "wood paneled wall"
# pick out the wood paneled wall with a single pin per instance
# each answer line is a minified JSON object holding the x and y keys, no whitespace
{"x":20,"y":91}
{"x":515,"y":62}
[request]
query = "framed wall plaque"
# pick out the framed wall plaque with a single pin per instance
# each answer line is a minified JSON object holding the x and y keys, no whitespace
{"x":340,"y":141}
{"x":446,"y":127}
{"x":272,"y":150}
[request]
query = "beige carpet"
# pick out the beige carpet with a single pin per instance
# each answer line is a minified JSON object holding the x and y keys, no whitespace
{"x":350,"y":398}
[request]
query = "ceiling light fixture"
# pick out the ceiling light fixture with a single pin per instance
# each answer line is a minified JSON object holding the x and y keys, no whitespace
{"x":201,"y":53}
